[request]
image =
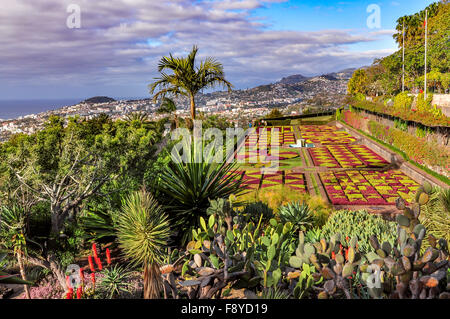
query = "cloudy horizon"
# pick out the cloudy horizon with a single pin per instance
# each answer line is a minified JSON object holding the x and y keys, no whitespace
{"x":116,"y":50}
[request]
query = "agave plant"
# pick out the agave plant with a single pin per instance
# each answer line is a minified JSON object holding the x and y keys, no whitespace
{"x":299,"y":215}
{"x":191,"y":181}
{"x":143,"y":231}
{"x":115,"y":281}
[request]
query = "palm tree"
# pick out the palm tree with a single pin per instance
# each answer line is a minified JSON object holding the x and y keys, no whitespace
{"x":187,"y":78}
{"x":168,"y":106}
{"x":142,"y":231}
{"x":141,"y":117}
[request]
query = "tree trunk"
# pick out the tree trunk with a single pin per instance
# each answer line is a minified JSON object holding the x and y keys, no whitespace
{"x":57,"y":271}
{"x":23,"y":275}
{"x":152,"y":282}
{"x":192,"y":107}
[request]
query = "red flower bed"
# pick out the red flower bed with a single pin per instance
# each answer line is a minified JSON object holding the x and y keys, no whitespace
{"x":368,"y":188}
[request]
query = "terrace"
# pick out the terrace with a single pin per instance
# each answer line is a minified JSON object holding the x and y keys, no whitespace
{"x":338,"y":167}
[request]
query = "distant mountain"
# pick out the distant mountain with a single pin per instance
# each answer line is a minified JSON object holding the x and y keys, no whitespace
{"x":99,"y":99}
{"x":331,"y":87}
{"x":342,"y":75}
{"x":298,"y":78}
{"x":293,"y":79}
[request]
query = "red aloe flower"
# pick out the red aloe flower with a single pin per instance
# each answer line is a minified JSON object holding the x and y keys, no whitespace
{"x":108,"y":256}
{"x":93,"y":278}
{"x":69,"y":294}
{"x":79,"y":292}
{"x":91,"y":264}
{"x":346,"y":254}
{"x":94,"y":250}
{"x":333,"y":255}
{"x":99,"y":263}
{"x":81,"y":275}
{"x":68,"y":283}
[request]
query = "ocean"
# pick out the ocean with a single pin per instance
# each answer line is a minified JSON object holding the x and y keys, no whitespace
{"x":11,"y":109}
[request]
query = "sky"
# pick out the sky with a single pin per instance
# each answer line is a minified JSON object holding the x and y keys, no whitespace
{"x":115,"y":48}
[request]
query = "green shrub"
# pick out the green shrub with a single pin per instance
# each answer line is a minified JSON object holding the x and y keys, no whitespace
{"x":253,"y":211}
{"x":362,"y":225}
{"x":403,"y":101}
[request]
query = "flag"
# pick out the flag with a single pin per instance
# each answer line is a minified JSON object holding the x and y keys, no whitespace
{"x":424,"y":23}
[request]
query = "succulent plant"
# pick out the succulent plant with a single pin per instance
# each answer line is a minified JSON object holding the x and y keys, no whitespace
{"x":332,"y":261}
{"x":401,"y":270}
{"x":361,"y":224}
{"x":299,"y":215}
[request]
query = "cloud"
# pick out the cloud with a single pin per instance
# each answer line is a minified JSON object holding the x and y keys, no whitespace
{"x":121,"y":41}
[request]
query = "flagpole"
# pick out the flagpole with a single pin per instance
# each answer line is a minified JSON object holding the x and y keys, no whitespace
{"x":426,"y":39}
{"x":403,"y":58}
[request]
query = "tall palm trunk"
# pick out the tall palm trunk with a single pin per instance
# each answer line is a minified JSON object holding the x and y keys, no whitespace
{"x":153,"y":283}
{"x":192,"y":106}
{"x":22,"y":274}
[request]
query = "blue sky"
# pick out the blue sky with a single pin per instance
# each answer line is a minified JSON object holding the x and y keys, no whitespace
{"x":117,"y":48}
{"x":348,"y":14}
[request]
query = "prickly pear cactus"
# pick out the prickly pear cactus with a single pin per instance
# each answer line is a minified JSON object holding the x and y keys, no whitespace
{"x":332,"y":261}
{"x":403,"y":271}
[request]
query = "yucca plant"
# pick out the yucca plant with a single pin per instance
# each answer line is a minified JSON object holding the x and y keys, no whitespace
{"x":115,"y":281}
{"x":193,"y":179}
{"x":298,"y":214}
{"x":143,"y":231}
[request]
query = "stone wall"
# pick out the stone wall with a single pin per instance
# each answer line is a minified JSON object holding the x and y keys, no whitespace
{"x":443,"y":102}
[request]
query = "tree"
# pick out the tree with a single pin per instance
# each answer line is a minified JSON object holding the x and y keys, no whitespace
{"x":358,"y":82}
{"x":187,"y":79}
{"x":168,"y":106}
{"x":67,"y":166}
{"x":143,"y":231}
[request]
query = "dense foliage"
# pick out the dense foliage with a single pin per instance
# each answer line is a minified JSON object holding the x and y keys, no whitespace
{"x":384,"y":77}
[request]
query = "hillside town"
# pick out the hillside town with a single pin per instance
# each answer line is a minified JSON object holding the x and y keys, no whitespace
{"x":238,"y":106}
